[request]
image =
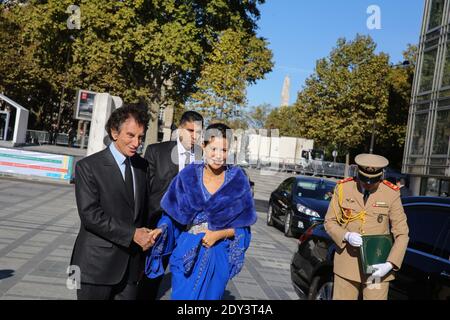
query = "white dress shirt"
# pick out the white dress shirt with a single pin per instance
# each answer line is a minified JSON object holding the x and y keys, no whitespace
{"x":182,"y":155}
{"x":120,"y":160}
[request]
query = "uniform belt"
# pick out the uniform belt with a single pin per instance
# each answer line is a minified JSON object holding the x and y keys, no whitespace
{"x":198,"y":228}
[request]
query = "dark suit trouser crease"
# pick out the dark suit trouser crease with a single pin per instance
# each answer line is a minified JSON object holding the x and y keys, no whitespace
{"x":124,"y":290}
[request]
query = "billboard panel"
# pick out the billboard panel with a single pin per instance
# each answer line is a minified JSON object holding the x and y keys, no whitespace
{"x":84,"y":105}
{"x":30,"y":163}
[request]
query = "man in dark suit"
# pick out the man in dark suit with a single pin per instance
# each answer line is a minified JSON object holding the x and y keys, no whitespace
{"x":112,"y":200}
{"x":165,"y":160}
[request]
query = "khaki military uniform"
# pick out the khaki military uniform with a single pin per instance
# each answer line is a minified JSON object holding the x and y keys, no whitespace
{"x":382,"y":213}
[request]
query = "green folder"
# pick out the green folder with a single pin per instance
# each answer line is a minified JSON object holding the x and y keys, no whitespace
{"x":375,"y":249}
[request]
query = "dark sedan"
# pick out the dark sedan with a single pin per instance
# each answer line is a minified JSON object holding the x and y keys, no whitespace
{"x":299,"y":202}
{"x":425,"y":273}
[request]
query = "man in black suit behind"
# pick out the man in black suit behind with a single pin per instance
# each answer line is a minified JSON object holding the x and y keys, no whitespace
{"x":112,"y":200}
{"x":165,"y":160}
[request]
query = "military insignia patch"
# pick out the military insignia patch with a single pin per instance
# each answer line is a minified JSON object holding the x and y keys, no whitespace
{"x":391,"y":185}
{"x":370,"y":169}
{"x":345,"y":180}
{"x":381,"y":204}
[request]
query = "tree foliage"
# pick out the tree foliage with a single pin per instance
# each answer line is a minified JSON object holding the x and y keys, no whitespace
{"x":151,"y":51}
{"x":22,"y":78}
{"x":282,"y":118}
{"x":238,"y":59}
{"x":257,"y":116}
{"x":352,"y":93}
{"x":248,"y":118}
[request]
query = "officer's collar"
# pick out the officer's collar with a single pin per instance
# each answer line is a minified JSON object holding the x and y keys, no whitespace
{"x":362,"y":189}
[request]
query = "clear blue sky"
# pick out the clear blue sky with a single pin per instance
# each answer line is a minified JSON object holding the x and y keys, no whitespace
{"x":301,"y":31}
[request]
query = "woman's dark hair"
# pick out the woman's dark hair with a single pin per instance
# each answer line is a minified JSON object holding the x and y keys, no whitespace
{"x":122,"y":114}
{"x":191,"y":116}
{"x":217,"y":130}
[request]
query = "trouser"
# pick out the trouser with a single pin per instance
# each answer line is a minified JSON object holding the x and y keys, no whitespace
{"x":121,"y":291}
{"x":124,"y":290}
{"x":148,"y":288}
{"x":344,"y":289}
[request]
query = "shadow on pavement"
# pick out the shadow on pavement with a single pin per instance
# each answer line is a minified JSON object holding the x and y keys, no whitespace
{"x":7,"y":273}
{"x":227,"y":295}
{"x":261,"y":205}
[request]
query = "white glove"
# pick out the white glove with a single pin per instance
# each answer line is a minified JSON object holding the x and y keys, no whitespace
{"x":381,"y":269}
{"x":353,"y":238}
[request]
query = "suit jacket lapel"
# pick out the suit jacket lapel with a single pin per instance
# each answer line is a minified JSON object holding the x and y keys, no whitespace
{"x":117,"y":175}
{"x":139,"y":187}
{"x":174,"y":159}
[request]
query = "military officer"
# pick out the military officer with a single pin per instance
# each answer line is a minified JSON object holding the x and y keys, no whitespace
{"x":366,"y":205}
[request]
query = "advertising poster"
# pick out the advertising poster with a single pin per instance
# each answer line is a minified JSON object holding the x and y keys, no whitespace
{"x":30,"y":163}
{"x":85,"y":105}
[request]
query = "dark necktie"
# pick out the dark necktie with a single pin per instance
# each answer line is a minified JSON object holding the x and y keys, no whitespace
{"x":129,"y":179}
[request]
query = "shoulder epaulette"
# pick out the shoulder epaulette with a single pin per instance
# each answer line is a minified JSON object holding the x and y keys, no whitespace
{"x":345,"y":180}
{"x":391,"y":185}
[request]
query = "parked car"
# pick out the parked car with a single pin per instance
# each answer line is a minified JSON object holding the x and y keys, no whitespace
{"x":299,"y":202}
{"x":425,"y":273}
{"x":393,"y":175}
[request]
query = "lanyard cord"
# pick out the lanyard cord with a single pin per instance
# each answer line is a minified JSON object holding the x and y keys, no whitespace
{"x":346,"y":217}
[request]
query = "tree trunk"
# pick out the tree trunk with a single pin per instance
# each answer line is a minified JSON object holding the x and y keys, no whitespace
{"x":167,"y":122}
{"x":151,"y":135}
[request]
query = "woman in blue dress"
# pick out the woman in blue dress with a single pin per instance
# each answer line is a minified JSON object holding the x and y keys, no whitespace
{"x":206,"y":226}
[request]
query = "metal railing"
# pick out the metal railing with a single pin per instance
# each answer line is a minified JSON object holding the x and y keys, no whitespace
{"x":62,"y":139}
{"x":304,"y":167}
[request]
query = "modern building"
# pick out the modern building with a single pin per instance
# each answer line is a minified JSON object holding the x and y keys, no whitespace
{"x":427,"y":152}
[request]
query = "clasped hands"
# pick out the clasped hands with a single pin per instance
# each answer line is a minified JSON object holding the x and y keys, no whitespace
{"x":145,"y":237}
{"x":381,"y":269}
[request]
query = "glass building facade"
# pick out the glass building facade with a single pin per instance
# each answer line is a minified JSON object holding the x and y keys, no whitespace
{"x":427,"y":151}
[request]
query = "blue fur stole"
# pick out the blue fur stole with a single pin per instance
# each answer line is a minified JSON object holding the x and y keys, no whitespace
{"x":229,"y":207}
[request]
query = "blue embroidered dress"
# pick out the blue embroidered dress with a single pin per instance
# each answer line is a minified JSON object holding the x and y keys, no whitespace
{"x":200,"y":273}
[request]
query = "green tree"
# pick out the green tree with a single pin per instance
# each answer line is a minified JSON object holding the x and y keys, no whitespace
{"x":148,"y":51}
{"x":258,"y":115}
{"x":22,"y":78}
{"x":235,"y":123}
{"x":345,"y":96}
{"x":238,"y":59}
{"x":391,"y":137}
{"x":283,"y":119}
{"x":352,"y":93}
